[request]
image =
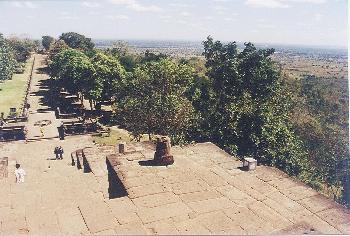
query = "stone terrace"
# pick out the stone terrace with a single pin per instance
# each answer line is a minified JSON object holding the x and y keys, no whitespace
{"x":205,"y":192}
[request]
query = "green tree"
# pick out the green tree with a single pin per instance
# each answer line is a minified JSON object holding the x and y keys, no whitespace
{"x":22,"y":48}
{"x":56,"y":47}
{"x":153,"y":100}
{"x":46,"y":41}
{"x":74,"y":71}
{"x":108,"y":73}
{"x":7,"y":61}
{"x":244,"y":106}
{"x":77,"y":41}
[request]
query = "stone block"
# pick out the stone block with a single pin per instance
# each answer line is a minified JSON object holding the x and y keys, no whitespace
{"x":191,"y":227}
{"x":157,"y":199}
{"x":162,"y":227}
{"x":189,"y":187}
{"x":149,"y":215}
{"x":317,"y":203}
{"x":199,"y":196}
{"x":269,"y":215}
{"x":145,"y":190}
{"x":335,"y":216}
{"x":97,"y":216}
{"x":235,"y":195}
{"x":219,"y":223}
{"x":211,"y":205}
{"x":133,"y":228}
{"x":299,"y":192}
{"x":142,"y":180}
{"x":248,"y":220}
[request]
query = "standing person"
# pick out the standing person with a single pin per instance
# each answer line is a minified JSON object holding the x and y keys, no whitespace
{"x":56,"y":151}
{"x":20,"y":173}
{"x":57,"y":112}
{"x":61,"y":131}
{"x":61,"y":152}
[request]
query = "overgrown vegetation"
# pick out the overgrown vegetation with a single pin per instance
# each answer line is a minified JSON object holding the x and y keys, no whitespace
{"x":238,"y":99}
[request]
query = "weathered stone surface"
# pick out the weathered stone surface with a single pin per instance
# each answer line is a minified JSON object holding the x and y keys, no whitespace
{"x":140,"y":191}
{"x":156,"y":199}
{"x":318,"y":225}
{"x":248,"y":221}
{"x":199,"y":196}
{"x":70,"y":221}
{"x":317,"y":203}
{"x":162,"y":227}
{"x":211,"y":205}
{"x":269,"y":215}
{"x":286,"y":207}
{"x":235,"y":195}
{"x":283,"y":183}
{"x":133,"y":228}
{"x":97,"y":216}
{"x":189,"y":187}
{"x":219,"y":223}
{"x":191,"y":227}
{"x":148,"y":215}
{"x":336,"y":217}
{"x":142,"y":180}
{"x":299,"y":192}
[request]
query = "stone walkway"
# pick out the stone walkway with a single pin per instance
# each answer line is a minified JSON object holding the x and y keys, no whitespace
{"x":206,"y":192}
{"x":202,"y":193}
{"x":39,"y":111}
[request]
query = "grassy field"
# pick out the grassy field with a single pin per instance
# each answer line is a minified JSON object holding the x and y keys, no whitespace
{"x":12,"y":92}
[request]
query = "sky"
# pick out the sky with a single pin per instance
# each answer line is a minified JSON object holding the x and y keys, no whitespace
{"x":299,"y":22}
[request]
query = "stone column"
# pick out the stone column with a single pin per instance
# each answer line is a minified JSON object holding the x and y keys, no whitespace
{"x":162,"y":155}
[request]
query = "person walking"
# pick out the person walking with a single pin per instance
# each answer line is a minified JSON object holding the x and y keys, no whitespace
{"x":20,"y":173}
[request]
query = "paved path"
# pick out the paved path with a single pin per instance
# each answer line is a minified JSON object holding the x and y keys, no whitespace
{"x":39,"y":111}
{"x":47,"y":203}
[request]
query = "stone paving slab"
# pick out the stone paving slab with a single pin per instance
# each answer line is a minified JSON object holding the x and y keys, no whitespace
{"x":149,"y":215}
{"x":205,"y":192}
{"x":158,"y":199}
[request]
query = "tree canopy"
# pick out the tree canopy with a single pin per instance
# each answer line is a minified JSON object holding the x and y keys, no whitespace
{"x":46,"y":41}
{"x":7,"y":60}
{"x":77,"y":41}
{"x":153,"y":100}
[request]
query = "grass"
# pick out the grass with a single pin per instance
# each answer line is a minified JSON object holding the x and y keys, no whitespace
{"x":116,"y":135}
{"x":12,"y":92}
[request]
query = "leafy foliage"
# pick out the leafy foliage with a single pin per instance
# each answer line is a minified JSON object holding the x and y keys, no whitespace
{"x":77,"y":41}
{"x":153,"y":100}
{"x":74,"y":71}
{"x":244,"y":106}
{"x":7,"y":61}
{"x":108,"y":72}
{"x":320,"y":118}
{"x":46,"y":41}
{"x":21,"y":48}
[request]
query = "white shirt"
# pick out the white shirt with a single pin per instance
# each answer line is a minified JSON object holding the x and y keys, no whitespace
{"x":20,"y":173}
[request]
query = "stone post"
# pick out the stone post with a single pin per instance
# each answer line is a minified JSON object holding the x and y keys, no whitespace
{"x":122,"y":147}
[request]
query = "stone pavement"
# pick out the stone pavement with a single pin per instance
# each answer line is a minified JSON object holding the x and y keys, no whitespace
{"x":205,"y":192}
{"x":39,"y":111}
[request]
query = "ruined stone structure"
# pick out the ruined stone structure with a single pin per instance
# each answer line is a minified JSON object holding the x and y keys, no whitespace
{"x":162,"y":155}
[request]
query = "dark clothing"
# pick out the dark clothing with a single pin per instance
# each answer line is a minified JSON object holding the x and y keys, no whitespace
{"x":56,"y":152}
{"x":60,"y":151}
{"x":61,"y":132}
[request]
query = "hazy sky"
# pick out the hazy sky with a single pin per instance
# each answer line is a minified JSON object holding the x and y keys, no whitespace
{"x":308,"y":22}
